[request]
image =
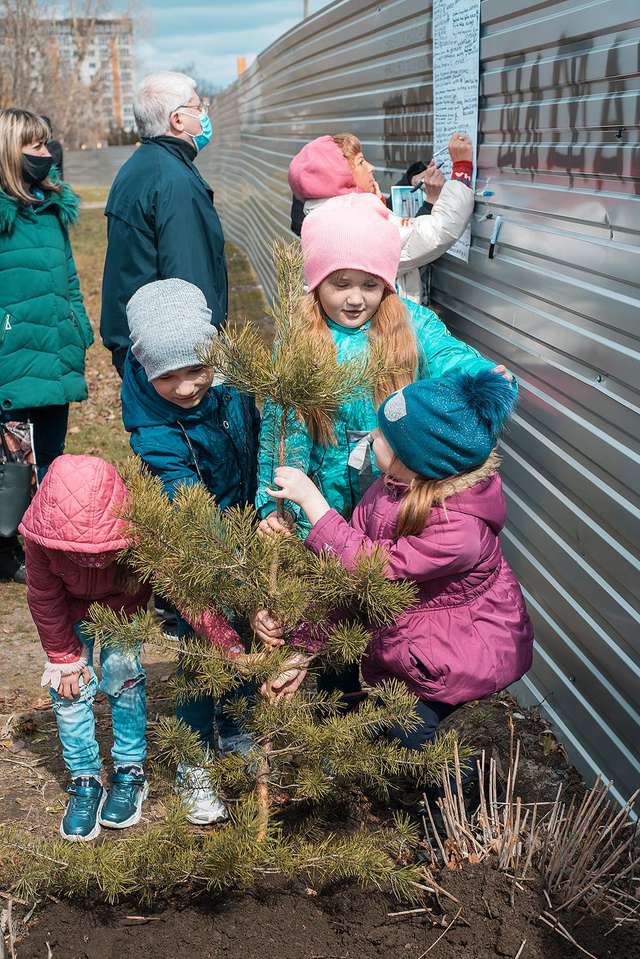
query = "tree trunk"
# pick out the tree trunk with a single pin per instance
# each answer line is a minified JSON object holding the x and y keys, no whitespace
{"x":262,"y":776}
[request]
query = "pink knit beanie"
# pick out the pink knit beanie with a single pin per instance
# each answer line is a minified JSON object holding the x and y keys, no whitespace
{"x":320,"y":171}
{"x":351,"y":232}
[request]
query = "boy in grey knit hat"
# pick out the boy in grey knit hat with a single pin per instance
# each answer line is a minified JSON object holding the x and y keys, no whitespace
{"x":168,"y":320}
{"x":187,"y":430}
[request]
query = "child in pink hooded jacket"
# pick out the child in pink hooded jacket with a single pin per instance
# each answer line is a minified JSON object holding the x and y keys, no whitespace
{"x":72,"y":536}
{"x":437,"y":511}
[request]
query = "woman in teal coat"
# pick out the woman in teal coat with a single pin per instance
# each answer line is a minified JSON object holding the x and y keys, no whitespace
{"x":44,"y":329}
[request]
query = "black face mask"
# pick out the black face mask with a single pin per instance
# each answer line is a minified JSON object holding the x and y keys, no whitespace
{"x":36,"y":169}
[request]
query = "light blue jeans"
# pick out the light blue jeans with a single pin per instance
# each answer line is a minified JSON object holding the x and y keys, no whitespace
{"x":123,"y":680}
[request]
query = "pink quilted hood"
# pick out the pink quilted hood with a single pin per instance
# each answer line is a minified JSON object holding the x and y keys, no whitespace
{"x":74,"y":508}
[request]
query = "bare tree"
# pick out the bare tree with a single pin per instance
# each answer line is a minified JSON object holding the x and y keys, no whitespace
{"x":23,"y":39}
{"x":49,"y":64}
{"x":206,"y":88}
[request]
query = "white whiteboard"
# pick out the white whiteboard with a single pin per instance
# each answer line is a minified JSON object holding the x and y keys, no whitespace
{"x":456,"y":72}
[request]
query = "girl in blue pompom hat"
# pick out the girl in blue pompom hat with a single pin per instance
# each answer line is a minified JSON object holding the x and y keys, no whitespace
{"x":437,"y":510}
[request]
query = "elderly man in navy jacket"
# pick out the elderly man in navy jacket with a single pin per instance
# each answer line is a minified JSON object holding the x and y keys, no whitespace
{"x":161,"y":219}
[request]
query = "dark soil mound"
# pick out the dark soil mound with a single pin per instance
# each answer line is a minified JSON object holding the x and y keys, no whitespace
{"x":344,"y":923}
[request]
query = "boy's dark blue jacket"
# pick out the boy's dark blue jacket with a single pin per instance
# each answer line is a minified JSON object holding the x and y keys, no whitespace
{"x":215,"y":442}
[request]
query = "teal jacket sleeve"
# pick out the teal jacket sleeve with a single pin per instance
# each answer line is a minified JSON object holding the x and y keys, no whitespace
{"x":164,"y":459}
{"x":75,"y":296}
{"x":438,"y":351}
{"x":298,"y":453}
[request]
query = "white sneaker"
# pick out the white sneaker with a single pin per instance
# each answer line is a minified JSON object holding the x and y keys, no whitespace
{"x":194,"y":789}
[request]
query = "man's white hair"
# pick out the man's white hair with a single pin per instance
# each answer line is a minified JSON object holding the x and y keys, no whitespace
{"x":158,"y":95}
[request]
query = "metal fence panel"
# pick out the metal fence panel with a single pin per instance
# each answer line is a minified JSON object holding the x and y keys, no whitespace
{"x":559,"y":150}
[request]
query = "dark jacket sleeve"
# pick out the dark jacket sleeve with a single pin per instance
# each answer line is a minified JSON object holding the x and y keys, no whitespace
{"x":184,"y":242}
{"x":129,"y":264}
{"x":166,"y":456}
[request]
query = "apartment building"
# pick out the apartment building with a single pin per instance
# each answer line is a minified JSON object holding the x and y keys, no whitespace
{"x":101,"y":50}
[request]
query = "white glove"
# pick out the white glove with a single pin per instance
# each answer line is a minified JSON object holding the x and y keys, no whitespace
{"x":53,"y":672}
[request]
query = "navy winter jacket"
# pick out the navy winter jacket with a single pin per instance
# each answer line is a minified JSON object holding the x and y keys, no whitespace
{"x":162,"y":224}
{"x":214,"y":443}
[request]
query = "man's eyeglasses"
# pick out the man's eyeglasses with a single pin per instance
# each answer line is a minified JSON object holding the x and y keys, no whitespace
{"x":202,"y":107}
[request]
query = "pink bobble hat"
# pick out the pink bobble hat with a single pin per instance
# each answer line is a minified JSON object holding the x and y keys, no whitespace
{"x":351,"y":232}
{"x":320,"y":170}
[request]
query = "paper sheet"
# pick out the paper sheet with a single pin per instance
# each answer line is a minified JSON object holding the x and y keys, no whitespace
{"x":456,"y":70}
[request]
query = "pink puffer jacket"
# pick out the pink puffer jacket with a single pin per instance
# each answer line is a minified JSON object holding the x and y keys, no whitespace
{"x":74,"y":512}
{"x":469,"y":634}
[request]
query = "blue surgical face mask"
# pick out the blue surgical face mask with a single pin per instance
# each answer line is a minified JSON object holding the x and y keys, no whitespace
{"x":206,"y":129}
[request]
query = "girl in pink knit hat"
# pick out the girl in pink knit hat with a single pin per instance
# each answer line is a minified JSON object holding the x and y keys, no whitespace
{"x":351,"y":252}
{"x":72,"y":538}
{"x":333,"y":166}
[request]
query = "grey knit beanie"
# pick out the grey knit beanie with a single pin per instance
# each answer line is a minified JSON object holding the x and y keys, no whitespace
{"x":167,"y":320}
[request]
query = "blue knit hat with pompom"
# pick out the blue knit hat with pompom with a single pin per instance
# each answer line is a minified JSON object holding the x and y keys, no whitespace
{"x":447,"y":425}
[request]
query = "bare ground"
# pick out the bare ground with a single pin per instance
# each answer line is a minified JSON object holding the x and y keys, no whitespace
{"x":32,"y":776}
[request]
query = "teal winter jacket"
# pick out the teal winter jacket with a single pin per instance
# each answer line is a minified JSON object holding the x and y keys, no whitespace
{"x":343,"y":485}
{"x":214,"y":443}
{"x":44,"y":329}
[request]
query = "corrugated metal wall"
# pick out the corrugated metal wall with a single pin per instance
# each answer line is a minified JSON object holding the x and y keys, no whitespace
{"x":559,"y":124}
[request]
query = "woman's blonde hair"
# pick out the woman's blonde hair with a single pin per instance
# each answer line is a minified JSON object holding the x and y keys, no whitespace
{"x":18,"y":128}
{"x":390,"y":329}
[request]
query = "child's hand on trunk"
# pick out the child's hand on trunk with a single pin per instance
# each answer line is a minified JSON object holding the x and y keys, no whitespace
{"x":274,"y":525}
{"x":287,"y":683}
{"x":269,"y":631}
{"x":299,"y":488}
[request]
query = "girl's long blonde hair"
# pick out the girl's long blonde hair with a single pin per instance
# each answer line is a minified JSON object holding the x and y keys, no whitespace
{"x":390,"y":330}
{"x":18,"y":128}
{"x":415,"y":508}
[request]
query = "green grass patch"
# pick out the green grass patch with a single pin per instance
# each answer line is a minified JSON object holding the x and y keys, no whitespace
{"x":95,"y":426}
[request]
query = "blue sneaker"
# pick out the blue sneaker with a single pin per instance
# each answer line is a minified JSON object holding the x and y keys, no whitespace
{"x":81,"y":821}
{"x":123,"y":806}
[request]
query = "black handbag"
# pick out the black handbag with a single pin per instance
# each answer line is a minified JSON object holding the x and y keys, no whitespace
{"x":15,"y":490}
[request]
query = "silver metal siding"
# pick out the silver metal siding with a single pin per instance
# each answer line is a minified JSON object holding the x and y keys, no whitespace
{"x":559,"y":121}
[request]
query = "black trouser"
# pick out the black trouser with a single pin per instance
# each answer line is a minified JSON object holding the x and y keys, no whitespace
{"x":431,"y":714}
{"x":49,"y":434}
{"x":345,"y":681}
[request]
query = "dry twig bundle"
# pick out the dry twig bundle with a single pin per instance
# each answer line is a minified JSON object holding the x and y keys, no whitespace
{"x":586,"y":853}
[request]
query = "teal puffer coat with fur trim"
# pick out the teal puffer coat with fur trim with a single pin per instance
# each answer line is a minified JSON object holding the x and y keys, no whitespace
{"x":44,"y":329}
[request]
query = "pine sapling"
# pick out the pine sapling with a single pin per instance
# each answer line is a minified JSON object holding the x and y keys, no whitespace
{"x":301,"y":378}
{"x":205,"y":561}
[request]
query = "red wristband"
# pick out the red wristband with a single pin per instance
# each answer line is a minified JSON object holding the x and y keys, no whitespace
{"x":462,"y":171}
